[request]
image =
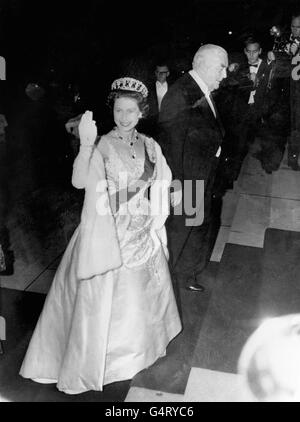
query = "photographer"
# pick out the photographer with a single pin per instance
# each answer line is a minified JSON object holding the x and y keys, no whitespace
{"x":247,"y":85}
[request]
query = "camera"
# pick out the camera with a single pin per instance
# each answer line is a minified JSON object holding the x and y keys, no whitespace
{"x":283,"y":42}
{"x":293,"y":46}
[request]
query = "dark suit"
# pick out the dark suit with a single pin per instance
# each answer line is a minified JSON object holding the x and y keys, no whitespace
{"x":190,"y":137}
{"x":150,"y":124}
{"x":152,"y":99}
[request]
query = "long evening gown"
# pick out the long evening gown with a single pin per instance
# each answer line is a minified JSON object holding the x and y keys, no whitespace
{"x":108,"y":328}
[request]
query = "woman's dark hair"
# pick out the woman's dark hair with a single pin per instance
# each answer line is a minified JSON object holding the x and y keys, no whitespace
{"x":120,"y":93}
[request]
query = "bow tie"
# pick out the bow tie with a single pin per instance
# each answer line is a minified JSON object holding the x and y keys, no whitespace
{"x":253,"y":65}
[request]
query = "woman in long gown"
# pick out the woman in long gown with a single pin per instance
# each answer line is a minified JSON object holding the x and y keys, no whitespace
{"x":110,"y":311}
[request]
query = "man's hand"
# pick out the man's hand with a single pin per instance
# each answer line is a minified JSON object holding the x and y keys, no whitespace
{"x":252,"y":77}
{"x":271,"y":56}
{"x":294,"y":47}
{"x":87,"y":129}
{"x":233,"y":67}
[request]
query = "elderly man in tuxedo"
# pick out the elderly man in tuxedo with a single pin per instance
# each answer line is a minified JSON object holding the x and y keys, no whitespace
{"x":191,"y":135}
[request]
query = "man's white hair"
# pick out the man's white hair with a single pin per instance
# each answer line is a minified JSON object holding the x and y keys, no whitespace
{"x":205,"y":53}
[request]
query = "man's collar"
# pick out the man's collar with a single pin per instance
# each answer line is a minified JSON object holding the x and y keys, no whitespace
{"x":256,"y":64}
{"x":199,"y":81}
{"x":161,"y":84}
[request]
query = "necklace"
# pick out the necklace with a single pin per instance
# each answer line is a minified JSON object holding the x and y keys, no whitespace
{"x":130,"y":143}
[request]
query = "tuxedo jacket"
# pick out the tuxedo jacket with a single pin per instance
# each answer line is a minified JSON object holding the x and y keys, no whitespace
{"x":152,"y":100}
{"x":190,"y":135}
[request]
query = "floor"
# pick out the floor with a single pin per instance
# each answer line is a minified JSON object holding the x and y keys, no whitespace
{"x":253,"y":274}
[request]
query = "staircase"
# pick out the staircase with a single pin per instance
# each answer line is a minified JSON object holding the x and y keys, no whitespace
{"x":258,"y":201}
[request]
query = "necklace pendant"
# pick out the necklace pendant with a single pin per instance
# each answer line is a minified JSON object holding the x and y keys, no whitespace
{"x":130,"y":143}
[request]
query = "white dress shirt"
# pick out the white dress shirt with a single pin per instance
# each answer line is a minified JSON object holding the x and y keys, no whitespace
{"x":204,"y":88}
{"x":161,"y":90}
{"x":253,"y":69}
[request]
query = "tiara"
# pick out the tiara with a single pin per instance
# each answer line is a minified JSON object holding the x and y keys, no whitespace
{"x":130,"y":84}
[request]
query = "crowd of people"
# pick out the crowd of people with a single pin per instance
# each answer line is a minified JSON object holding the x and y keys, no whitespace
{"x":147,"y":220}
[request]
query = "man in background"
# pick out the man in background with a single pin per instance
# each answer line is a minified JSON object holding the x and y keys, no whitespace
{"x":157,"y":90}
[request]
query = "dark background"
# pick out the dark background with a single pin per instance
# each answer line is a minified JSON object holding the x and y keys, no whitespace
{"x":93,"y":40}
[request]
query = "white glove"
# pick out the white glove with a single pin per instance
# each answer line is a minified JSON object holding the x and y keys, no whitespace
{"x":87,"y":129}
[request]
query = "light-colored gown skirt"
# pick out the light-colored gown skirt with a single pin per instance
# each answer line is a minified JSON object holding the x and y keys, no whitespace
{"x":108,"y":328}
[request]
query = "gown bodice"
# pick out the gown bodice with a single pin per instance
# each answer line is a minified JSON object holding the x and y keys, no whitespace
{"x":133,"y":218}
{"x":124,"y":171}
